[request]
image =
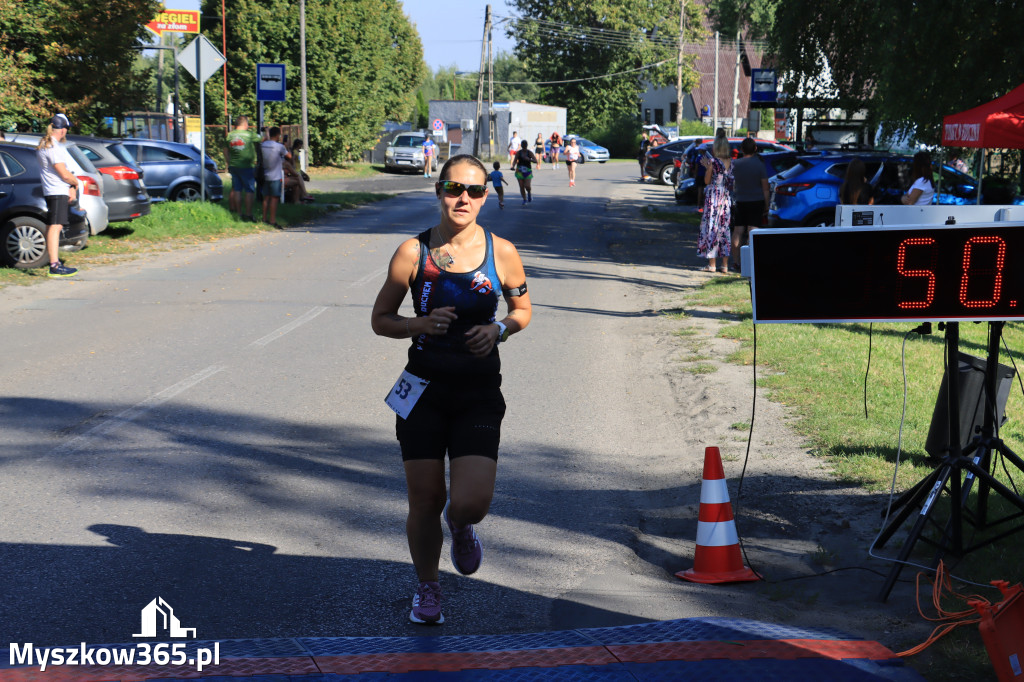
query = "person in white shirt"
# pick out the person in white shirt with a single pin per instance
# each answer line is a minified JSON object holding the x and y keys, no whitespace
{"x":59,"y":188}
{"x":274,"y":154}
{"x":514,"y":145}
{"x":922,"y":191}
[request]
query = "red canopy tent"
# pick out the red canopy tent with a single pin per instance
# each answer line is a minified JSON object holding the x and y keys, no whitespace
{"x":998,"y":124}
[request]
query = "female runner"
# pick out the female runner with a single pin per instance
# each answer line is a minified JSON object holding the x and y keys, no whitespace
{"x":449,"y":398}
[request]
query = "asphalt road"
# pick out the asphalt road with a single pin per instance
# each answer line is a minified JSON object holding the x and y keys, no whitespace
{"x":208,"y":426}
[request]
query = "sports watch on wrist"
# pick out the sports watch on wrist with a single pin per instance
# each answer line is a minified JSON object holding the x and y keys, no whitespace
{"x":502,"y":332}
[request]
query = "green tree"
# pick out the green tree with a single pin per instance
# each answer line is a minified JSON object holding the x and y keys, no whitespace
{"x":75,"y":57}
{"x":560,"y":40}
{"x":364,"y":61}
{"x":908,"y":62}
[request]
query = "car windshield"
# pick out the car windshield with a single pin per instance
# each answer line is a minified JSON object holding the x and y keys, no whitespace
{"x":584,"y":142}
{"x":408,"y":141}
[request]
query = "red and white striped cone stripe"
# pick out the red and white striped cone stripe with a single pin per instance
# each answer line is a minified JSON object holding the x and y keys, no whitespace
{"x":717,"y":558}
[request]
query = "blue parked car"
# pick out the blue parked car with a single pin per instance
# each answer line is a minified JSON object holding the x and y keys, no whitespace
{"x":173,"y":171}
{"x":806,"y":195}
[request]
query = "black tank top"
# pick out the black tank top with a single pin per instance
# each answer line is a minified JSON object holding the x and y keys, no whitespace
{"x":475,"y":297}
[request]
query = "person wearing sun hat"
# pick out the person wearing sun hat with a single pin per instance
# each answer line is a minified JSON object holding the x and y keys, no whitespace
{"x":59,"y":188}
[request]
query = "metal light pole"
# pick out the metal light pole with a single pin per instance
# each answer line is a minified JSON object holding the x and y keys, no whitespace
{"x":302,"y":67}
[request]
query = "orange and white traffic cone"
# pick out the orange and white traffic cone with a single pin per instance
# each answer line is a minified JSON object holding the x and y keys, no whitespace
{"x":717,"y":558}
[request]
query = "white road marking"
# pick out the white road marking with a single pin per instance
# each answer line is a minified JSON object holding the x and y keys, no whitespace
{"x":108,"y":426}
{"x":372,"y":276}
{"x":294,"y":324}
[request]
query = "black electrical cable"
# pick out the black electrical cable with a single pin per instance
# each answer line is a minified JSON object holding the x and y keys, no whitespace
{"x":867,"y":370}
{"x":739,"y":491}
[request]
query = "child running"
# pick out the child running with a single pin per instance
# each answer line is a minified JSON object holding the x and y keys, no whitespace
{"x":496,"y":179}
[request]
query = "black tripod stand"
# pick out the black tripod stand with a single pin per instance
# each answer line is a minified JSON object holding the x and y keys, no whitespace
{"x":958,"y":471}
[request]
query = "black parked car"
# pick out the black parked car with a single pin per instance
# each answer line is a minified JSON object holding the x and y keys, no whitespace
{"x":124,"y":190}
{"x":23,"y":211}
{"x":660,"y":161}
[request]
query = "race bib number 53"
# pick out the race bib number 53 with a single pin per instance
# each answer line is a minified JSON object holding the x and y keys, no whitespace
{"x":404,"y":394}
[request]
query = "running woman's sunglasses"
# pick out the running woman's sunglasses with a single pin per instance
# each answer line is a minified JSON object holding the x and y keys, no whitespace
{"x":455,"y":189}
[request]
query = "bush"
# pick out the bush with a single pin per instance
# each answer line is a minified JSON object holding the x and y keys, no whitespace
{"x":620,"y":137}
{"x":695,"y":128}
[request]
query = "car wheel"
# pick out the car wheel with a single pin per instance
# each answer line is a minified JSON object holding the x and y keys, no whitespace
{"x":187,"y":192}
{"x":665,"y":174}
{"x":24,"y":243}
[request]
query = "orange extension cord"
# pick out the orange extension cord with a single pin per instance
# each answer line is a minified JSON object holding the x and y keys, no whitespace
{"x":950,"y":620}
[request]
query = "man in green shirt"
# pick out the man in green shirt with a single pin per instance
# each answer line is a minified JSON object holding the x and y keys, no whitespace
{"x":241,"y":156}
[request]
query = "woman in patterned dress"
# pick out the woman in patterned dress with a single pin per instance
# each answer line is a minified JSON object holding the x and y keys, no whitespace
{"x":715,"y":236}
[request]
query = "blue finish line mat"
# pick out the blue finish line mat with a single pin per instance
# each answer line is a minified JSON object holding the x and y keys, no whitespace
{"x":718,"y":649}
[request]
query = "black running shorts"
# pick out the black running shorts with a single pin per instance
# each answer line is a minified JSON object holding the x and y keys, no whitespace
{"x":452,"y":419}
{"x":57,"y":209}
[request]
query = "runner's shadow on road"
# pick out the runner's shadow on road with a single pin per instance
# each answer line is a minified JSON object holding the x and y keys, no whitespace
{"x":235,"y":589}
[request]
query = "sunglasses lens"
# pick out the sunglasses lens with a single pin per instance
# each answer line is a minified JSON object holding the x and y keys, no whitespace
{"x":456,"y":189}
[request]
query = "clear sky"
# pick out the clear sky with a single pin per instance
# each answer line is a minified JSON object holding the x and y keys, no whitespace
{"x":451,"y":30}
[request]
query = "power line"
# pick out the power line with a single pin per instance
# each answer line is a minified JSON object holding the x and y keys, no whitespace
{"x":621,"y":38}
{"x":576,"y":80}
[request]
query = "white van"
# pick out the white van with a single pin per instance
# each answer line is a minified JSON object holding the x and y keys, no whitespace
{"x":406,"y":152}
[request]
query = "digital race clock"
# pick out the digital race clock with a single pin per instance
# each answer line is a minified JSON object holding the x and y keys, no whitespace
{"x":896,"y":273}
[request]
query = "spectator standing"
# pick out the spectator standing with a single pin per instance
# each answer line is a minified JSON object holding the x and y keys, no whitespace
{"x":60,"y":188}
{"x":752,"y":195}
{"x":496,"y":179}
{"x":855,"y":188}
{"x":274,"y":154}
{"x":429,"y":152}
{"x":448,"y":399}
{"x":241,"y":156}
{"x":556,"y":148}
{"x":572,"y":157}
{"x":645,"y":144}
{"x":714,"y":241}
{"x":922,"y":191}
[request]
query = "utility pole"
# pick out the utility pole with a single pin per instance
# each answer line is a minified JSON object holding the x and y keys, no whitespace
{"x":160,"y":105}
{"x":736,"y":87}
{"x":490,"y":93}
{"x":224,"y":51}
{"x":302,"y":59}
{"x":679,"y":68}
{"x":714,"y":120}
{"x":480,"y":85}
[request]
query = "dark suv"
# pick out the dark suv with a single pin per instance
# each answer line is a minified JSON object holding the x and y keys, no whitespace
{"x":23,"y":211}
{"x":806,"y":195}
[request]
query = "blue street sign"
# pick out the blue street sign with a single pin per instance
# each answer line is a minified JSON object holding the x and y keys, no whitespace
{"x":270,"y":82}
